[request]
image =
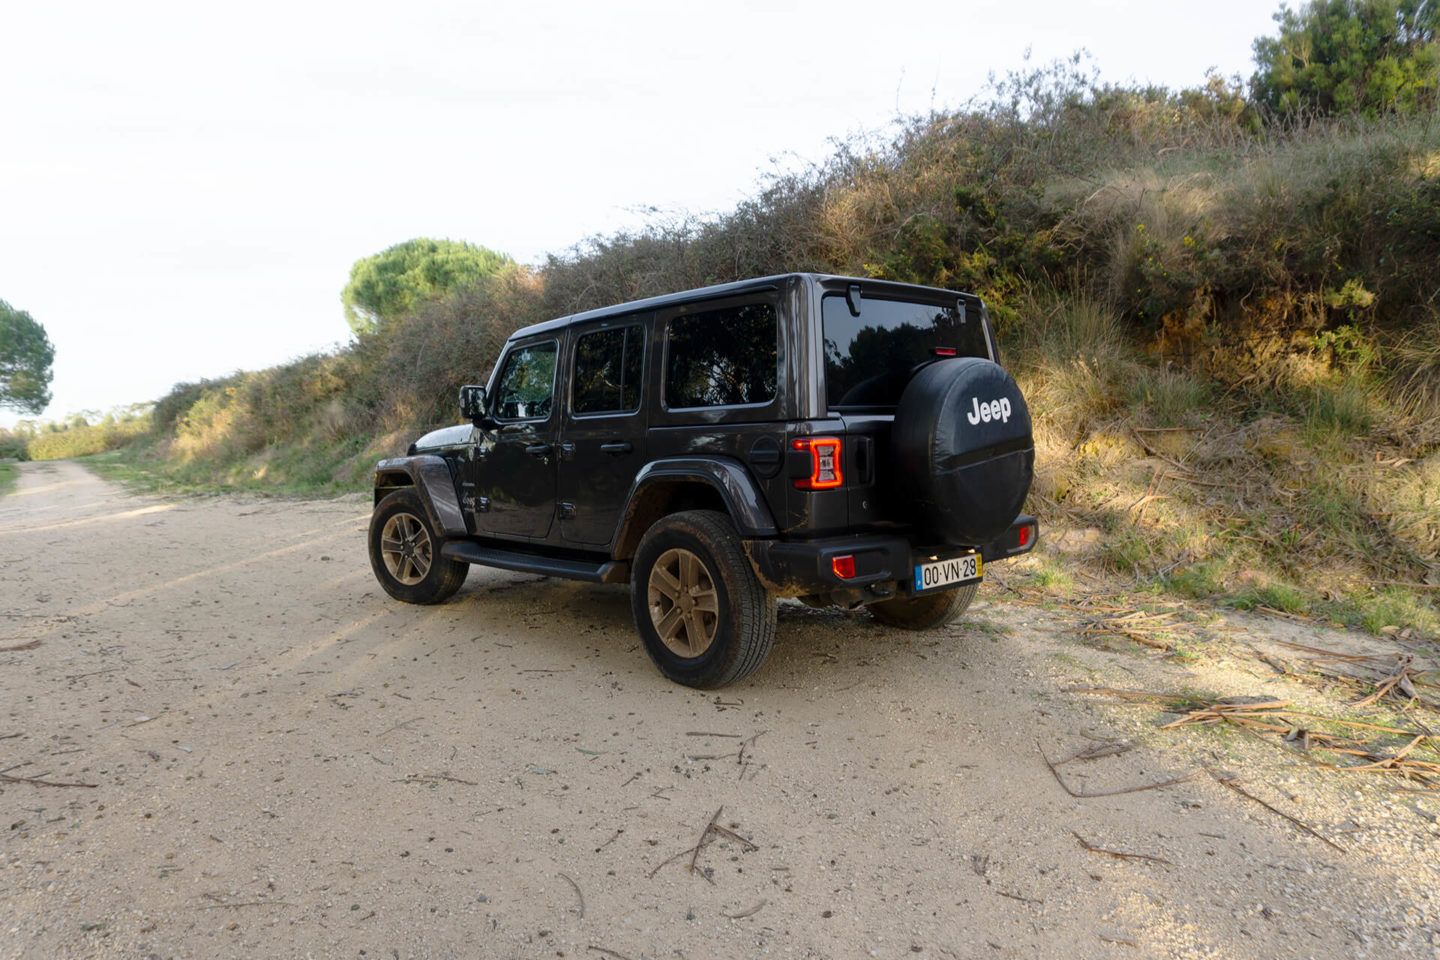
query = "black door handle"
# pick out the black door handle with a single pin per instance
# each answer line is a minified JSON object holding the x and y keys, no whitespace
{"x":619,"y":447}
{"x":538,"y":449}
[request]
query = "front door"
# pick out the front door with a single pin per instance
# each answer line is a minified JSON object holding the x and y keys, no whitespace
{"x":515,"y":466}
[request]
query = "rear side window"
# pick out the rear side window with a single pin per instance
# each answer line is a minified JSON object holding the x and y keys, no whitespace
{"x":724,"y":357}
{"x":608,"y":366}
{"x":870,"y":358}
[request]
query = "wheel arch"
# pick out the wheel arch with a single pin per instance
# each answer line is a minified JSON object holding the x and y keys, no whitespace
{"x":430,"y":476}
{"x":669,"y":486}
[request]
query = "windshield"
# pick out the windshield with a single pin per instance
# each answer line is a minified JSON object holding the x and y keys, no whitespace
{"x":870,"y":358}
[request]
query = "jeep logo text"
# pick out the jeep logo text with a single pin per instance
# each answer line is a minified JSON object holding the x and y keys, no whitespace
{"x":994,"y":410}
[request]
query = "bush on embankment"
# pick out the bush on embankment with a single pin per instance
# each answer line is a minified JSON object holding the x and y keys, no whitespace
{"x":1226,"y":322}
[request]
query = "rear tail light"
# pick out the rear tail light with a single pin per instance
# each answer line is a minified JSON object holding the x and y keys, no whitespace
{"x":1025,"y":533}
{"x":844,"y":567}
{"x":824,"y":463}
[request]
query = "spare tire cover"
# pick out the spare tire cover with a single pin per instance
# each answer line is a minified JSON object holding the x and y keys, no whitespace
{"x":964,"y":453}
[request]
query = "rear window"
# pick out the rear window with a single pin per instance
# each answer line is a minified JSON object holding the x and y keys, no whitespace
{"x":870,"y":358}
{"x":721,"y":358}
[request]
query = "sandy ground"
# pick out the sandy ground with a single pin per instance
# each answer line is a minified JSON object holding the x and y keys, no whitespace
{"x":280,"y":761}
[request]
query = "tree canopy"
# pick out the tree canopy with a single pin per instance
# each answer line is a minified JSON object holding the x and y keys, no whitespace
{"x":26,"y":355}
{"x":1344,"y":56}
{"x":396,"y":280}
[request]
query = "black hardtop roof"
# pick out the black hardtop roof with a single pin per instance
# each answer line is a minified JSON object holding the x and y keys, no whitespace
{"x":730,"y":289}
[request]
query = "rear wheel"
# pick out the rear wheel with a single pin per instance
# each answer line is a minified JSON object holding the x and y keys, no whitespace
{"x":405,"y":552}
{"x":703,"y":616}
{"x":924,"y":612}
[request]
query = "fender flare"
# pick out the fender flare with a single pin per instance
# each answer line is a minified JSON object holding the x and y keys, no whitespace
{"x":431,"y":479}
{"x":729,"y":478}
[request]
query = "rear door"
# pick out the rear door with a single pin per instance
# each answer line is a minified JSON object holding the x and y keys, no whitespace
{"x":876,"y":338}
{"x":604,"y":426}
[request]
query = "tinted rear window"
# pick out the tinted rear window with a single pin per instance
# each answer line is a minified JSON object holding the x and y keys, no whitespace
{"x":869,"y":359}
{"x":607,"y":370}
{"x":722,"y":357}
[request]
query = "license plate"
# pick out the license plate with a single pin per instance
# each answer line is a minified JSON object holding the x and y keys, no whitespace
{"x":947,"y":573}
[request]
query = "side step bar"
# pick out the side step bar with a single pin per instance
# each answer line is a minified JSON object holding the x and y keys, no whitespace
{"x":591,"y":571}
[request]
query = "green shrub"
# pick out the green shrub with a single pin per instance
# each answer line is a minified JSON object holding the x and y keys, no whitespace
{"x":85,"y":439}
{"x":13,"y":446}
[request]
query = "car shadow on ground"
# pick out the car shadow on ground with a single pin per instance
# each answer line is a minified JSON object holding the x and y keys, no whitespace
{"x":807,"y":640}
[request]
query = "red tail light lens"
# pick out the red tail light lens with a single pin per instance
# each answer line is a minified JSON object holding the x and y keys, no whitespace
{"x":824,"y":463}
{"x":1025,"y":535}
{"x":844,"y":567}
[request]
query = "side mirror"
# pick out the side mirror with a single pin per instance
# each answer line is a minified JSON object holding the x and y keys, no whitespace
{"x":472,"y":403}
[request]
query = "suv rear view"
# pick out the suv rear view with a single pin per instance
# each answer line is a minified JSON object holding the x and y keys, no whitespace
{"x":836,"y":440}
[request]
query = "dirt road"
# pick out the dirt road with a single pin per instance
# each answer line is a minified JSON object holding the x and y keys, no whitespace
{"x":264,"y":756}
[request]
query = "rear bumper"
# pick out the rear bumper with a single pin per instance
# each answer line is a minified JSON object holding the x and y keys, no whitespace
{"x":884,"y":564}
{"x":1022,"y":536}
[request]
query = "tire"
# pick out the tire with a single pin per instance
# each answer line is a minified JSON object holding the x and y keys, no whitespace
{"x":405,"y":552}
{"x":922,"y":613}
{"x":703,"y":616}
{"x":964,"y":479}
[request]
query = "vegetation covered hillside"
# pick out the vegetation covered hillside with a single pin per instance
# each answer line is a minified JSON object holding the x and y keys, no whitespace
{"x":1222,"y":303}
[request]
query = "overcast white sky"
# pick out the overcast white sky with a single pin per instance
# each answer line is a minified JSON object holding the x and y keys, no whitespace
{"x":184,"y":186}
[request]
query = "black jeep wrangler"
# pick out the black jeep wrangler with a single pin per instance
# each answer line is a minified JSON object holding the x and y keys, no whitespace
{"x":843,"y":441}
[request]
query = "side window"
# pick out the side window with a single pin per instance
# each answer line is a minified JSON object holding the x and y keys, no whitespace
{"x":608,"y":366}
{"x":722,"y":357}
{"x":526,"y":384}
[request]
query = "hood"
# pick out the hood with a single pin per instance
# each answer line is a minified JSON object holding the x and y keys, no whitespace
{"x":443,"y":438}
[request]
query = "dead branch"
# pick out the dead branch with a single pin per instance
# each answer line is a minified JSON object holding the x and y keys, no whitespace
{"x":580,"y":896}
{"x":21,"y":646}
{"x":1118,"y":854}
{"x":37,"y":781}
{"x":403,"y":723}
{"x":1097,"y":752}
{"x":1086,"y":795}
{"x":704,"y":838}
{"x":748,"y":912}
{"x":707,"y":836}
{"x":424,"y":777}
{"x":1305,"y":827}
{"x":608,"y":952}
{"x":1148,"y":696}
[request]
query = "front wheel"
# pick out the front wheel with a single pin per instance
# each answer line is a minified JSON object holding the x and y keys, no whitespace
{"x":405,"y":552}
{"x":703,"y":616}
{"x":924,"y":612}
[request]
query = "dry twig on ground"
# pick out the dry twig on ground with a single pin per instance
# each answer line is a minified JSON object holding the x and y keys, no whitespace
{"x":707,"y":836}
{"x":1302,"y":825}
{"x":6,"y":777}
{"x":1118,"y":854}
{"x":1087,"y":794}
{"x":1273,"y":722}
{"x":576,"y":887}
{"x":1270,"y":718}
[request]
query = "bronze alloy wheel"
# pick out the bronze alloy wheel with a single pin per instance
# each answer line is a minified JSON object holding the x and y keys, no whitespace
{"x":405,"y":548}
{"x":684,"y":604}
